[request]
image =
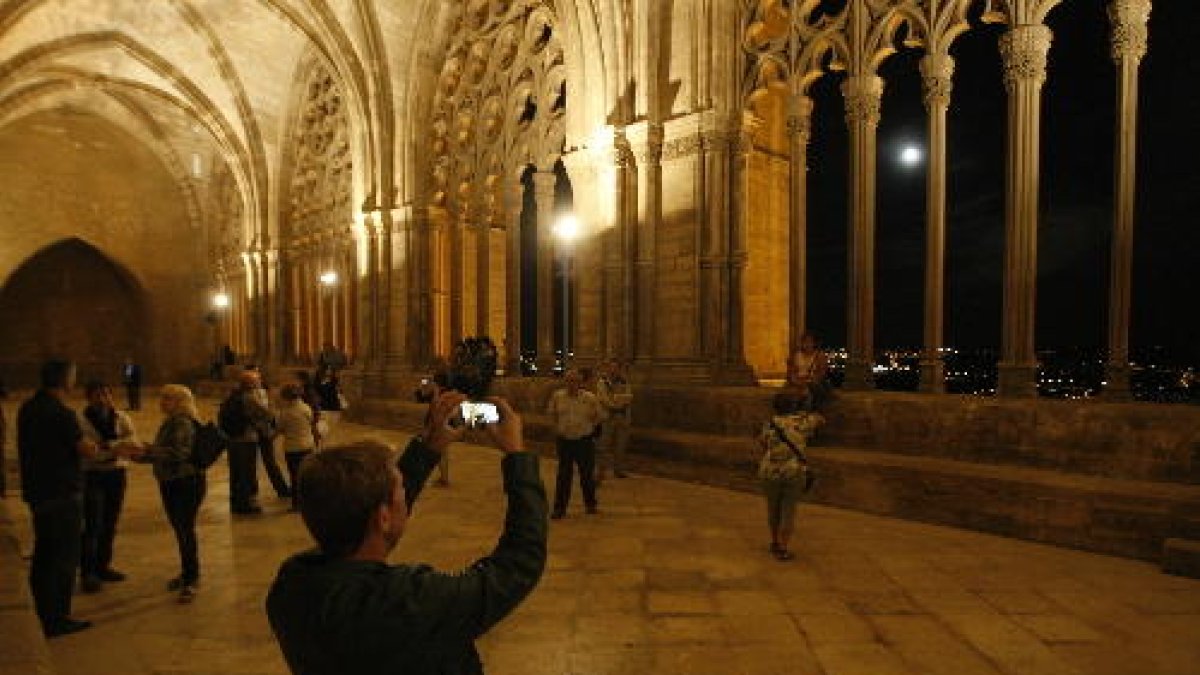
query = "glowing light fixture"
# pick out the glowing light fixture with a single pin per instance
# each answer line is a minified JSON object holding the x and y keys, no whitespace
{"x":329,"y":278}
{"x":220,"y":300}
{"x":911,"y":155}
{"x":567,"y":228}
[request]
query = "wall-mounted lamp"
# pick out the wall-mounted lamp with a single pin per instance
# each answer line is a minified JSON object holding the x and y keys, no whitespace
{"x":220,"y":300}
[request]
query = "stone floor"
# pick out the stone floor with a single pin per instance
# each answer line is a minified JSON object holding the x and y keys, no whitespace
{"x":670,"y":578}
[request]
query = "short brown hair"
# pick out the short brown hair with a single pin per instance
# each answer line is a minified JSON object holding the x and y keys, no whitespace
{"x":340,"y":488}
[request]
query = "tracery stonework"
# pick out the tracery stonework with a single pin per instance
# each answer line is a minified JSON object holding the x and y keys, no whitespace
{"x":499,"y":105}
{"x":321,"y":178}
{"x":1130,"y":35}
{"x":1024,"y":51}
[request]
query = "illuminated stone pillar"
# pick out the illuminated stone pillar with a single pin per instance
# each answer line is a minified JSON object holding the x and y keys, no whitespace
{"x":799,"y":127}
{"x":514,"y":206}
{"x":457,"y":270}
{"x":1024,"y":50}
{"x":646,"y":235}
{"x":544,"y":188}
{"x":483,"y":275}
{"x":1129,"y":43}
{"x":937,"y":71}
{"x":862,"y":95}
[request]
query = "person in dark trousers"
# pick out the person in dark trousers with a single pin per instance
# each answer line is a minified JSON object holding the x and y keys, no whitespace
{"x":50,"y":446}
{"x":343,"y":610}
{"x":103,"y":486}
{"x":181,"y":483}
{"x":131,"y":375}
{"x":242,"y":417}
{"x":576,"y":414}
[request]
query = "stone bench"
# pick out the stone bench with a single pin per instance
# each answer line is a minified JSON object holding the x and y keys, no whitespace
{"x":1118,"y":516}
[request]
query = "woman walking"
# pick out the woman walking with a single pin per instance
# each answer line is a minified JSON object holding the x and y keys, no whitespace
{"x":783,"y":467}
{"x":299,"y":438}
{"x":180,"y":482}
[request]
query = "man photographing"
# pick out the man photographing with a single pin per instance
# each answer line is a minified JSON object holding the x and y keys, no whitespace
{"x":342,"y":610}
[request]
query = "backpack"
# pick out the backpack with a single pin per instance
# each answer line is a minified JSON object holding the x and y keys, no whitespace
{"x":208,"y":444}
{"x":232,"y":418}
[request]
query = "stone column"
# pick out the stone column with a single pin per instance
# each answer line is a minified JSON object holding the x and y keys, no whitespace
{"x":713,"y":242}
{"x":483,"y":275}
{"x":458,"y":272}
{"x":1129,"y":43}
{"x":937,"y":71}
{"x":646,"y":236}
{"x":799,"y":126}
{"x":1024,"y":50}
{"x":616,"y":283}
{"x":862,"y":96}
{"x":373,"y":326}
{"x":543,"y":185}
{"x":734,"y":369}
{"x":294,"y":308}
{"x":514,"y":204}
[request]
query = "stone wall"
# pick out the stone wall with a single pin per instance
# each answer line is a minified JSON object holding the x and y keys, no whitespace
{"x":97,"y":185}
{"x":1111,"y":478}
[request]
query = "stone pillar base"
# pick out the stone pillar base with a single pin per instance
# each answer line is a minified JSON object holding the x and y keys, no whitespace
{"x":933,"y":376}
{"x":1017,"y":380}
{"x":1118,"y":389}
{"x":859,"y":376}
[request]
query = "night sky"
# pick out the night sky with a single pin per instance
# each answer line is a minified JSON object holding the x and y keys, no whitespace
{"x":1076,"y":202}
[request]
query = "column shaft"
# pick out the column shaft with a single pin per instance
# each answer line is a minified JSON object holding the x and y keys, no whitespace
{"x":1024,"y":50}
{"x":512,"y":286}
{"x":799,"y":130}
{"x":647,"y":241}
{"x":1129,"y":43}
{"x":862,"y":95}
{"x":544,"y":188}
{"x":937,"y":71}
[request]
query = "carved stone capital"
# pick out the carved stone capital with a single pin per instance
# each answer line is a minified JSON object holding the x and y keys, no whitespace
{"x":684,"y":146}
{"x":1130,"y":34}
{"x":862,"y":94}
{"x":1024,"y":50}
{"x":937,"y":76}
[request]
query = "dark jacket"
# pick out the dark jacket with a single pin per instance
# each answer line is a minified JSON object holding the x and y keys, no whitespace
{"x":347,"y":617}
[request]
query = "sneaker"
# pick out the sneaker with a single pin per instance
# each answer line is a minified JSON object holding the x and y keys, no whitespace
{"x":187,"y":594}
{"x":175,"y":584}
{"x":90,"y":584}
{"x":65,"y":627}
{"x":110,"y":575}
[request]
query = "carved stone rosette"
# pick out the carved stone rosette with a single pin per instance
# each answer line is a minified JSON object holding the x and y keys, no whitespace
{"x":1130,"y":35}
{"x":1024,"y":51}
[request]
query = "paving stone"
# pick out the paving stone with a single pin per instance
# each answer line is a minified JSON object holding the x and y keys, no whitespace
{"x":865,"y":595}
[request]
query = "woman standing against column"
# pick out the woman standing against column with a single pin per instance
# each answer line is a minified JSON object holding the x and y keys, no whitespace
{"x":808,"y":370}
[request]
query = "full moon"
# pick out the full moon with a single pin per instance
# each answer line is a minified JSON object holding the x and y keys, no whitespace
{"x":911,"y":156}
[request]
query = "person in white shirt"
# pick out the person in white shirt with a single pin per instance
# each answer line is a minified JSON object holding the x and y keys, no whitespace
{"x":104,"y":482}
{"x":576,"y":414}
{"x":295,"y":425}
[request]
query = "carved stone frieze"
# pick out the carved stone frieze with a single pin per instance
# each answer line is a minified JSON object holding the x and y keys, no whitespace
{"x":1024,"y":51}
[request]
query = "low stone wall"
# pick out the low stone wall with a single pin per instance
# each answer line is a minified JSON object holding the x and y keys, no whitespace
{"x":22,"y":647}
{"x":1111,"y":478}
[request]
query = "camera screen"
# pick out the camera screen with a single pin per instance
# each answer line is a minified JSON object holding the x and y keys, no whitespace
{"x":475,"y":414}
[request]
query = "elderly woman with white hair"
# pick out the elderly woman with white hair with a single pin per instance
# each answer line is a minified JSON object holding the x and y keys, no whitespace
{"x":180,"y":481}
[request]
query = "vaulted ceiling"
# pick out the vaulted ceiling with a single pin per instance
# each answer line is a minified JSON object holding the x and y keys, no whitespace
{"x":205,"y":83}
